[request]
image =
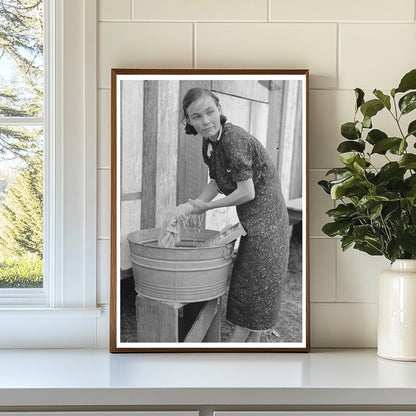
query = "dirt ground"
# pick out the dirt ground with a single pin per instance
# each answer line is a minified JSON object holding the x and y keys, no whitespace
{"x":287,"y":329}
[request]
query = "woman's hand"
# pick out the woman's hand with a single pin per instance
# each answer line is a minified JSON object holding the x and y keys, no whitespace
{"x":199,"y":206}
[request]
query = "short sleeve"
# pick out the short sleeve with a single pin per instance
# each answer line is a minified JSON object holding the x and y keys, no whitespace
{"x":240,"y":158}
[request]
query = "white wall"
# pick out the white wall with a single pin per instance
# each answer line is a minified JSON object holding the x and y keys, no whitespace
{"x":345,"y":44}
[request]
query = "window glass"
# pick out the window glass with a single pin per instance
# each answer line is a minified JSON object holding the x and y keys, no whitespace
{"x":21,"y":143}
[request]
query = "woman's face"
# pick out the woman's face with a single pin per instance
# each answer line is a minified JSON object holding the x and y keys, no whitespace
{"x":204,"y":116}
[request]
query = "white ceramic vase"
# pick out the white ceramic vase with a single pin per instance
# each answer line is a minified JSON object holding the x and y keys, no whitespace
{"x":397,"y":312}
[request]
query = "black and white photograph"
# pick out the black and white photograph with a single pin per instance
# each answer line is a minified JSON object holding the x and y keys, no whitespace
{"x":209,"y":213}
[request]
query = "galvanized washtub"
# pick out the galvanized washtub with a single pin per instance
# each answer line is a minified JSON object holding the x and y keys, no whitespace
{"x":185,"y":273}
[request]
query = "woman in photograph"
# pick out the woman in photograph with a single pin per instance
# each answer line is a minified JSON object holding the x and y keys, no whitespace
{"x":241,"y":169}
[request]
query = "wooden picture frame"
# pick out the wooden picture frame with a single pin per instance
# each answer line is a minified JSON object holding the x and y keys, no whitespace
{"x":161,"y":302}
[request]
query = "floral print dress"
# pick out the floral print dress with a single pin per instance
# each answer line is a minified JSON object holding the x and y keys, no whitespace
{"x":261,"y":263}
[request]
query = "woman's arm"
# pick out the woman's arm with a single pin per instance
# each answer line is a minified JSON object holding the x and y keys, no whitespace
{"x":210,"y":192}
{"x":244,"y":192}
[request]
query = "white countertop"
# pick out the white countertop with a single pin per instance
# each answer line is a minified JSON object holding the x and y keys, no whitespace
{"x":96,"y":377}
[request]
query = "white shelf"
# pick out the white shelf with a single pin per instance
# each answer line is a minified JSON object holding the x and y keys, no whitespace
{"x":335,"y":378}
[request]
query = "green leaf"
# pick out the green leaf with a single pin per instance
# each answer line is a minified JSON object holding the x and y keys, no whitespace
{"x":342,"y":211}
{"x":368,"y":248}
{"x":375,"y":135}
{"x":408,"y":102}
{"x":383,"y":145}
{"x":411,"y":130}
{"x":338,"y":171}
{"x":407,"y":239}
{"x":371,"y":108}
{"x":333,"y":229}
{"x":349,"y":131}
{"x":338,"y":190}
{"x":359,"y":165}
{"x":385,"y":99}
{"x":359,"y":95}
{"x":349,"y":146}
{"x":393,"y":250}
{"x":398,"y":149}
{"x":348,"y":158}
{"x":346,"y":242}
{"x":375,"y":211}
{"x":369,"y":201}
{"x":367,"y":122}
{"x":325,"y":186}
{"x":408,"y":161}
{"x":408,"y":82}
{"x":391,"y":170}
{"x":361,"y":231}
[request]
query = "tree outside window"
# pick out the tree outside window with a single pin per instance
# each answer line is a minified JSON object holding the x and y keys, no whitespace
{"x":21,"y":143}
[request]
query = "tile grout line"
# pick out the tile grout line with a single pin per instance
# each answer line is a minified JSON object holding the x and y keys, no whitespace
{"x":307,"y":22}
{"x":269,"y":10}
{"x":338,"y":64}
{"x":131,"y":9}
{"x":194,"y":62}
{"x":336,"y":271}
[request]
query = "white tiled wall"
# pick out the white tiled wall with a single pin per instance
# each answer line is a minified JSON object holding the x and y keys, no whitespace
{"x":345,"y":44}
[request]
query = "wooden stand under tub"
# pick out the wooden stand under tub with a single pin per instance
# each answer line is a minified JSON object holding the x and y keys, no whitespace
{"x":178,"y":322}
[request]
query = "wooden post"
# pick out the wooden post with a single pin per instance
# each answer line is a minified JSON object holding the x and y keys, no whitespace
{"x":156,"y":321}
{"x":160,"y":149}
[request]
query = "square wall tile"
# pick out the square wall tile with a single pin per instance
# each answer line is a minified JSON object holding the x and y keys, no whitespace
{"x":319,"y":203}
{"x":342,"y":10}
{"x":104,"y":203}
{"x":357,"y":275}
{"x":343,"y":325}
{"x":114,"y":10}
{"x":323,"y":269}
{"x":142,"y":45}
{"x":328,"y":110}
{"x":388,"y":54}
{"x":195,"y":10}
{"x":270,"y":45}
{"x":104,"y":129}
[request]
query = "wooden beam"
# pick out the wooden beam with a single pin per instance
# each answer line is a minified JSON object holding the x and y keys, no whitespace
{"x":156,"y":321}
{"x":150,"y":125}
{"x":202,"y":322}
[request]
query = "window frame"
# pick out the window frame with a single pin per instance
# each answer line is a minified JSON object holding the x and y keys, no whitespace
{"x":70,"y":209}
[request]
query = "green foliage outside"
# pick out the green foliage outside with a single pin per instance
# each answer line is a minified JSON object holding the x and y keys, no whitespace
{"x":376,"y":210}
{"x":21,"y":147}
{"x":21,"y":271}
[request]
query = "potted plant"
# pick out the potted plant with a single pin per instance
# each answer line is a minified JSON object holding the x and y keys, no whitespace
{"x":376,"y":209}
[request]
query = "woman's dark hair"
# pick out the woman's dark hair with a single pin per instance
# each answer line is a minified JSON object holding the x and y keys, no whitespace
{"x":191,"y":96}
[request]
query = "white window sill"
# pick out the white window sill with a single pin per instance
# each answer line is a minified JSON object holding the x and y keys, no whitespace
{"x":40,"y":327}
{"x":331,"y":379}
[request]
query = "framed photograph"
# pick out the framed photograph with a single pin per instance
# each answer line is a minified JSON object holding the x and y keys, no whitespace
{"x":209,"y":211}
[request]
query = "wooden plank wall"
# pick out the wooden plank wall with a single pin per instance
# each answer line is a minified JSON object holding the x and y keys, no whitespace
{"x":131,"y":138}
{"x":289,"y":137}
{"x":191,"y":172}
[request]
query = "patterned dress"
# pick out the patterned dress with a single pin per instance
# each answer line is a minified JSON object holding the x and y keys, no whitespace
{"x":261,"y":263}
